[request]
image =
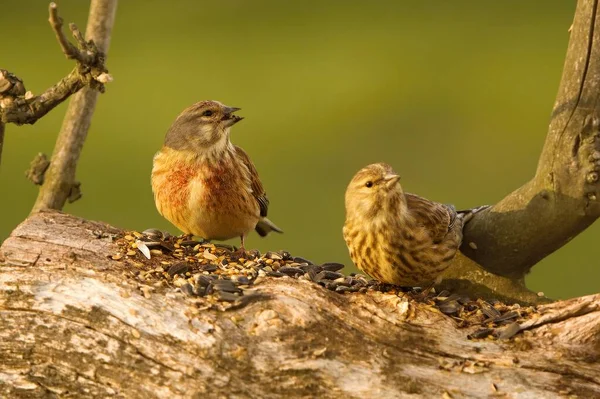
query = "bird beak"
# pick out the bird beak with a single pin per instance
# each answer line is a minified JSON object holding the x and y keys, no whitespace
{"x":231,"y":110}
{"x":391,"y":179}
{"x":229,"y":117}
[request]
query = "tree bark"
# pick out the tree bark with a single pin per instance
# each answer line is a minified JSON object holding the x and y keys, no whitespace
{"x":562,"y":198}
{"x":77,"y":323}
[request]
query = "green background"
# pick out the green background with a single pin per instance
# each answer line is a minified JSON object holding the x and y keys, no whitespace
{"x":455,"y":95}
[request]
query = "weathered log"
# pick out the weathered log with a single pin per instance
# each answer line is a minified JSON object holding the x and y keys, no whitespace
{"x":74,"y":323}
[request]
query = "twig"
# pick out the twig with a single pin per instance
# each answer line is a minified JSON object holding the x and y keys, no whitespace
{"x":68,"y":48}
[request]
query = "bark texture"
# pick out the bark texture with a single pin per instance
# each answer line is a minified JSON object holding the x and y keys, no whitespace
{"x":562,"y":199}
{"x":74,"y":325}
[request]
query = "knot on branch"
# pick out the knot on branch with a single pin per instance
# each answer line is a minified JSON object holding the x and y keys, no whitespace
{"x":74,"y":192}
{"x":10,"y":85}
{"x":37,"y":169}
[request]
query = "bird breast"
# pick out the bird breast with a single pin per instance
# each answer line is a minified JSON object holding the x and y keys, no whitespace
{"x":396,"y":253}
{"x":210,"y":199}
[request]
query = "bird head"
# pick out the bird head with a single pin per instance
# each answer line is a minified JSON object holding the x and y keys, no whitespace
{"x":203,"y":126}
{"x":374,"y":188}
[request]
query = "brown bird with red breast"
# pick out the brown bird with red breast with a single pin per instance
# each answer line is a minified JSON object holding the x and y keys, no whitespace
{"x":396,"y":237}
{"x":205,"y":185}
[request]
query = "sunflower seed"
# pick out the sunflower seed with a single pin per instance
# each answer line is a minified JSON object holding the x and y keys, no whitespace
{"x":209,"y":268}
{"x":143,"y":248}
{"x":307,"y":268}
{"x":450,"y":307}
{"x":273,"y":255}
{"x":242,"y":280}
{"x":291,"y":271}
{"x":450,"y":298}
{"x":489,"y":310}
{"x":244,"y":300}
{"x":226,"y":246}
{"x":343,"y":288}
{"x":204,"y":280}
{"x":327,"y":275}
{"x":153,"y":234}
{"x":510,"y":331}
{"x":481,"y":333}
{"x":200,"y":291}
{"x":152,"y":244}
{"x":178,"y":268}
{"x":187,"y":289}
{"x":506,"y":316}
{"x":332,"y":266}
{"x":227,"y":296}
{"x":298,"y":259}
{"x":225,"y":285}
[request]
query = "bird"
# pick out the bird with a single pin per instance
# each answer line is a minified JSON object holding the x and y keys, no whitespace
{"x":395,"y":237}
{"x":204,"y":184}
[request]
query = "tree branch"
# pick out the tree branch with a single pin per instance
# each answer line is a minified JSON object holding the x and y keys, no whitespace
{"x":59,"y":183}
{"x":20,"y":107}
{"x":562,"y":199}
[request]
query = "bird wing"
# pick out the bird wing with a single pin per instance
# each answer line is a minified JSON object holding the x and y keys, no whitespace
{"x":436,"y":218}
{"x":257,"y":188}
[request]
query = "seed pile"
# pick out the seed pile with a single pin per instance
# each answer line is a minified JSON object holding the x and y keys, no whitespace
{"x":225,"y":276}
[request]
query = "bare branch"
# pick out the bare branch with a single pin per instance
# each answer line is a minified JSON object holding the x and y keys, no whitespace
{"x":59,"y":184}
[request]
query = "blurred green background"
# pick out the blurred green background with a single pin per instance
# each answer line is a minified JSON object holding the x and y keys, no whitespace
{"x":455,"y":95}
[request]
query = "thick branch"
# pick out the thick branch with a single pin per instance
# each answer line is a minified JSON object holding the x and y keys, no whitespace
{"x":563,"y":197}
{"x":59,"y":183}
{"x":79,"y":322}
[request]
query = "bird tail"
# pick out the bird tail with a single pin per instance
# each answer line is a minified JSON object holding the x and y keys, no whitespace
{"x":467,"y":214}
{"x":265,"y":226}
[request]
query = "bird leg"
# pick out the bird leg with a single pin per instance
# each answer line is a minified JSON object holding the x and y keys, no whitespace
{"x":241,"y":251}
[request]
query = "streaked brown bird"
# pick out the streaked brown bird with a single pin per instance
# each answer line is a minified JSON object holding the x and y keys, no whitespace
{"x":205,"y":185}
{"x":396,"y":237}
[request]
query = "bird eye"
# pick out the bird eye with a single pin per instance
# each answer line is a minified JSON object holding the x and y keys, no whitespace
{"x":208,"y":112}
{"x":369,"y":184}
